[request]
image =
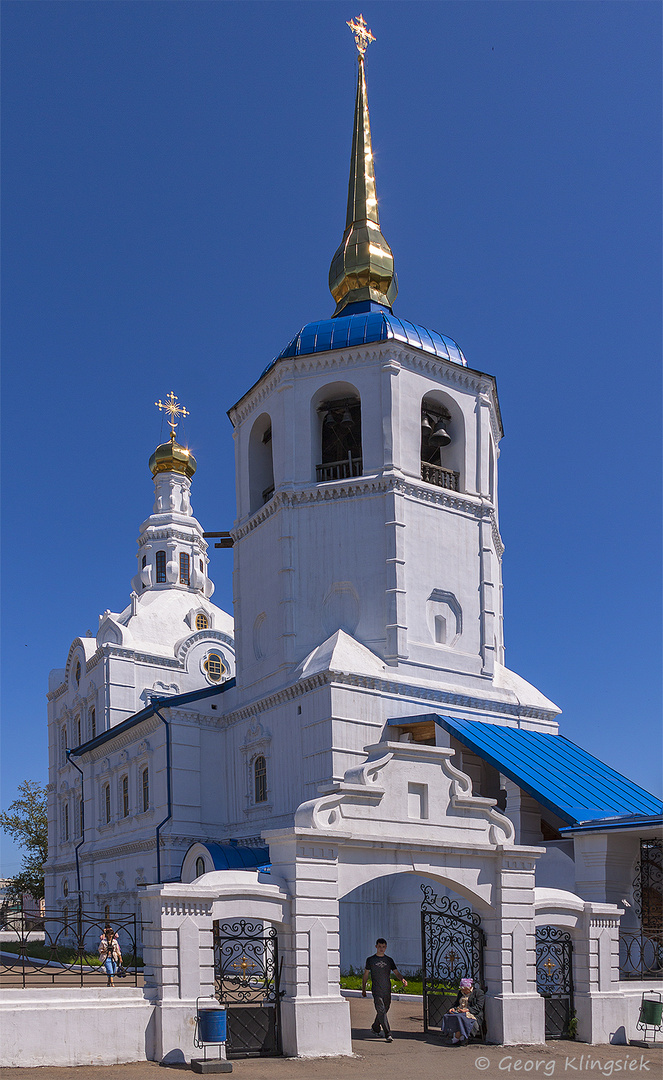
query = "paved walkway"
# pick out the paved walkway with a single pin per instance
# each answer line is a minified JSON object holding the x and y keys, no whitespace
{"x":411,"y":1056}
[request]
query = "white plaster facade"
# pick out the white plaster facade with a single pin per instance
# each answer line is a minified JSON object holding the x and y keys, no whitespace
{"x":159,"y":646}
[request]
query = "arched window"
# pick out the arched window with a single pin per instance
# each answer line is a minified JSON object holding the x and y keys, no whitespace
{"x":125,"y":796}
{"x":200,"y":866}
{"x":107,"y":804}
{"x":214,"y":666}
{"x":442,"y":442}
{"x":65,"y":918}
{"x":93,"y":724}
{"x":261,"y":465}
{"x":184,"y":568}
{"x":202,"y":622}
{"x":81,"y":817}
{"x":106,"y":914}
{"x":65,"y":888}
{"x":77,"y":672}
{"x":65,"y":822}
{"x":340,"y":439}
{"x":77,"y":723}
{"x":63,"y":744}
{"x":145,"y":784}
{"x":161,"y":567}
{"x":142,"y":566}
{"x":260,"y":779}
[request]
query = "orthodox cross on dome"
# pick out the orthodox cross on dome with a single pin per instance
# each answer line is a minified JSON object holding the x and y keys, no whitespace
{"x":172,"y":407}
{"x":362,"y":35}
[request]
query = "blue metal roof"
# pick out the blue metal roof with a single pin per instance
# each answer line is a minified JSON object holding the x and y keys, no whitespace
{"x":234,"y":857}
{"x":365,"y":327}
{"x":558,"y":774}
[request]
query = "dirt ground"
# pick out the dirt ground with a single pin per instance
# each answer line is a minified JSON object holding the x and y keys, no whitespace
{"x":411,"y":1056}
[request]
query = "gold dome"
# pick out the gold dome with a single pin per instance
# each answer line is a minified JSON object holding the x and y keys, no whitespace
{"x":171,"y":457}
{"x":363,"y":266}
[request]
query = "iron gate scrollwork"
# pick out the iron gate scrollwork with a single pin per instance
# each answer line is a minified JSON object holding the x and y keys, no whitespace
{"x":246,"y":981}
{"x":554,"y":978}
{"x":452,"y":949}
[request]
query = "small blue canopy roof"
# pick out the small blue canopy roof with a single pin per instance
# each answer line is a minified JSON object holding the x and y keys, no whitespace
{"x":558,"y":774}
{"x":235,"y":857}
{"x":365,"y":327}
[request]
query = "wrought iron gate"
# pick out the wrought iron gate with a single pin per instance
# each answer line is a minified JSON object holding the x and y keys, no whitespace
{"x":554,"y":978}
{"x":451,"y":949}
{"x":246,"y":981}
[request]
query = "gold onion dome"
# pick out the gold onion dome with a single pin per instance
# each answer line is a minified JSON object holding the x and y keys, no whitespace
{"x":363,"y":267}
{"x":171,"y":457}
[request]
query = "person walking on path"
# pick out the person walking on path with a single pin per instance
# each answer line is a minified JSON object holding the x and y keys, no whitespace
{"x":110,"y":953}
{"x":378,"y":969}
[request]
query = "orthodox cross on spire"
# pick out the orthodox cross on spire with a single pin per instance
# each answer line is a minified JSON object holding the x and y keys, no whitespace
{"x":362,"y":35}
{"x":172,"y":407}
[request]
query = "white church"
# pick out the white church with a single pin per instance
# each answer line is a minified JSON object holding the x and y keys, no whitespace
{"x":348,"y":755}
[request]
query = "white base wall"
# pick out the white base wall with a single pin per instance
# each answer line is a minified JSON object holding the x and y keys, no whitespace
{"x":316,"y":1028}
{"x":611,"y":1017}
{"x":49,"y":1026}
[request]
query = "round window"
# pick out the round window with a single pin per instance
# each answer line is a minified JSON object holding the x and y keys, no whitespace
{"x":214,"y":666}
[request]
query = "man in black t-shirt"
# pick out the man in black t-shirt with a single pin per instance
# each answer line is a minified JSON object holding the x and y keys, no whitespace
{"x":378,"y":969}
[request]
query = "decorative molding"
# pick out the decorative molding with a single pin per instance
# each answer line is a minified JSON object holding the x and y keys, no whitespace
{"x":386,"y":686}
{"x":389,"y":482}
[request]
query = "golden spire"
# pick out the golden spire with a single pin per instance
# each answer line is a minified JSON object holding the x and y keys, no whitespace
{"x":363,"y":267}
{"x":171,"y":456}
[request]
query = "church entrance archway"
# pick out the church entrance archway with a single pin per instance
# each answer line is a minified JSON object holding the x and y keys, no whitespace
{"x":246,"y":981}
{"x":554,"y":978}
{"x":452,"y":944}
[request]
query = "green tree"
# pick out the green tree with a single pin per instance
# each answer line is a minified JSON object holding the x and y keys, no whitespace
{"x":26,"y":821}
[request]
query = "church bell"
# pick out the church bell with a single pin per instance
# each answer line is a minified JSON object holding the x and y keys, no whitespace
{"x":439,"y":435}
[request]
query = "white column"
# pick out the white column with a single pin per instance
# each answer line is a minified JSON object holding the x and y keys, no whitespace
{"x":315,"y":1018}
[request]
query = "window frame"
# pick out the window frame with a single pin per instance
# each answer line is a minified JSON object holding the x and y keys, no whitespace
{"x":185,"y":568}
{"x":259,"y":779}
{"x":160,"y":563}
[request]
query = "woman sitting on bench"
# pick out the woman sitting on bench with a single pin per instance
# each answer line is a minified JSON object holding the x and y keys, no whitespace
{"x":465,"y":1018}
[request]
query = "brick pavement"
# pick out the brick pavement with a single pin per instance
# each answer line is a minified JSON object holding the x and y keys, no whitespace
{"x":411,"y":1056}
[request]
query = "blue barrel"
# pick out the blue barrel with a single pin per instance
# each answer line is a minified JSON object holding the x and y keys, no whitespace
{"x":212,"y":1025}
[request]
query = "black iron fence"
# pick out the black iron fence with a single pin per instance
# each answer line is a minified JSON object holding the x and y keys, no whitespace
{"x":61,"y":948}
{"x":641,"y":954}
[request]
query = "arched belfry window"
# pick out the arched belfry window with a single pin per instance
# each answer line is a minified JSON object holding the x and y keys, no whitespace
{"x":200,"y":866}
{"x":261,"y":463}
{"x":161,"y":567}
{"x":260,"y":779}
{"x":442,"y":443}
{"x":340,"y":439}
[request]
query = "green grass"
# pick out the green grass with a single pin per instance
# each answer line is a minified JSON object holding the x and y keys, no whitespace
{"x":352,"y":981}
{"x":61,"y":954}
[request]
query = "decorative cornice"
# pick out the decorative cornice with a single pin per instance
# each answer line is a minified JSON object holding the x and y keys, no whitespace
{"x":364,"y":356}
{"x":204,"y":635}
{"x":288,"y":498}
{"x":385,"y":686}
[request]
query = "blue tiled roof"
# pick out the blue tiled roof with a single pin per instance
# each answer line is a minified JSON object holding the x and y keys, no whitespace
{"x":235,"y":857}
{"x":558,"y":774}
{"x":366,"y":327}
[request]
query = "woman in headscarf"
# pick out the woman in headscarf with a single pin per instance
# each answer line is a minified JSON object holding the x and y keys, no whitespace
{"x":465,"y":1017}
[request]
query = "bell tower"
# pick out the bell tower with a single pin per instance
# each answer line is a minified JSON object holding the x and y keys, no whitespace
{"x":366,"y":464}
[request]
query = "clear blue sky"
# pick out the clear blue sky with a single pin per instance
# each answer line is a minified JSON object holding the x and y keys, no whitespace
{"x":175,"y":180}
